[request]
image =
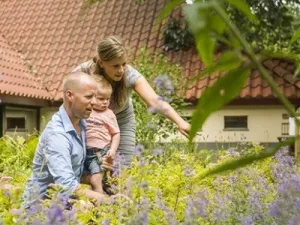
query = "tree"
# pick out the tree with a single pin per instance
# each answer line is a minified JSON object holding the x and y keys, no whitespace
{"x":277,"y":21}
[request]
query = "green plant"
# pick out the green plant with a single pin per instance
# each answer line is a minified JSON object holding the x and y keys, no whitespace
{"x":153,"y":127}
{"x":166,"y":189}
{"x":177,"y":36}
{"x":17,"y":152}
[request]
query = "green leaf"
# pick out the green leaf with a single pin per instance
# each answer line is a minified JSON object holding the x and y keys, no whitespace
{"x":168,"y":9}
{"x":197,"y":12}
{"x":213,"y":98}
{"x":205,"y":45}
{"x":297,"y":71}
{"x":217,"y":24}
{"x":246,"y":160}
{"x":242,"y":6}
{"x":228,"y":61}
{"x":201,"y":29}
{"x":296,"y":36}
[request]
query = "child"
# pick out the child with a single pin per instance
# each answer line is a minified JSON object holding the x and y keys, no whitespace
{"x":102,"y":134}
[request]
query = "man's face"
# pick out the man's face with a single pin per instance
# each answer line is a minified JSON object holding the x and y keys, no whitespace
{"x":83,"y":100}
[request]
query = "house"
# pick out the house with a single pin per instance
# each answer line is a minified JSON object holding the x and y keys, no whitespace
{"x":21,"y":94}
{"x":255,"y":115}
{"x":50,"y":38}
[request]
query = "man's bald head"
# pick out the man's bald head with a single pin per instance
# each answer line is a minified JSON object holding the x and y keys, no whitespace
{"x":79,"y":91}
{"x":75,"y":81}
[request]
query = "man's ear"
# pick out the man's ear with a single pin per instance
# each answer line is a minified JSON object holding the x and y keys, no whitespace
{"x":69,"y":95}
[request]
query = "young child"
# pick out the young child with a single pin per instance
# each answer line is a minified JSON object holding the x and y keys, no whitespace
{"x":102,"y":134}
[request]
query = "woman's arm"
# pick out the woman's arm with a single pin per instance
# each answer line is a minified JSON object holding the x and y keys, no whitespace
{"x":146,"y":92}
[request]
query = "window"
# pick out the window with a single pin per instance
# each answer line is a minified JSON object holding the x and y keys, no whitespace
{"x":285,"y":116}
{"x":235,"y":122}
{"x":15,"y":123}
{"x":284,"y":129}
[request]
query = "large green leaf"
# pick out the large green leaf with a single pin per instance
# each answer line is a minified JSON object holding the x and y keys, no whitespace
{"x":296,"y":36}
{"x":217,"y":24}
{"x":242,"y":6}
{"x":222,"y":92}
{"x":206,"y":46}
{"x":198,"y":18}
{"x":246,"y":160}
{"x":168,"y":9}
{"x":228,"y":61}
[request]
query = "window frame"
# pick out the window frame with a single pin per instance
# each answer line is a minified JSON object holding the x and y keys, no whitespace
{"x":241,"y":128}
{"x":22,"y":129}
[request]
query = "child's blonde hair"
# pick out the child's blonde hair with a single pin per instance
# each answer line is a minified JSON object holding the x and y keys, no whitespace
{"x":103,"y":84}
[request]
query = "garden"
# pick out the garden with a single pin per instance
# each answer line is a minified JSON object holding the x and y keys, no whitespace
{"x":176,"y":182}
{"x":165,"y":185}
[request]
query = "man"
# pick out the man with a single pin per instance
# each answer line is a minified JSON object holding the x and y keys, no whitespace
{"x":60,"y":154}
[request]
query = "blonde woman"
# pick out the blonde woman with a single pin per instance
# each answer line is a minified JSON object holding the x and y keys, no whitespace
{"x":111,"y":63}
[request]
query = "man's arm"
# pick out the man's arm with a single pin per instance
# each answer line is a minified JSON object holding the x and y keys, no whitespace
{"x":58,"y":156}
{"x":58,"y":153}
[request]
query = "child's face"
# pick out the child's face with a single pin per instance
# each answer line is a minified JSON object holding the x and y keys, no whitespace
{"x":102,"y":100}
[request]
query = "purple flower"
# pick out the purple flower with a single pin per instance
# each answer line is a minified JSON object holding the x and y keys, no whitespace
{"x":232,"y":152}
{"x":247,"y":221}
{"x":105,"y":222}
{"x":17,"y":212}
{"x":189,"y":172}
{"x":295,"y":220}
{"x":55,"y":216}
{"x":164,"y":83}
{"x":298,"y":204}
{"x":138,"y":150}
{"x":36,"y":221}
{"x":157,"y":151}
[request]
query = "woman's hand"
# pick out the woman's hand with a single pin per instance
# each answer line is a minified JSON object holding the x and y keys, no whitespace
{"x":184,"y":128}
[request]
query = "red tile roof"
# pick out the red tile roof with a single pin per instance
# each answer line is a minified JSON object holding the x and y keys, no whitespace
{"x":15,"y":77}
{"x":55,"y":36}
{"x":282,"y":72}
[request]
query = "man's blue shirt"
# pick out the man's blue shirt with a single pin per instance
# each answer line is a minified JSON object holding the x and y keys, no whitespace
{"x":59,"y":158}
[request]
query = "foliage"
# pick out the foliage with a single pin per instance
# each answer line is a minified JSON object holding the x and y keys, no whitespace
{"x":276,"y":21}
{"x":177,"y":36}
{"x":18,"y":152}
{"x":165,"y":77}
{"x":164,"y":188}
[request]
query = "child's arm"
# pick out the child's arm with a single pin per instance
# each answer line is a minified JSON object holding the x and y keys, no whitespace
{"x":115,"y":140}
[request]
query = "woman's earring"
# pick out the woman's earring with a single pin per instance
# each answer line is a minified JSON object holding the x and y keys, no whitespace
{"x":99,"y":63}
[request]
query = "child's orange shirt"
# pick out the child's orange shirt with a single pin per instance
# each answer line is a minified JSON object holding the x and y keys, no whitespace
{"x":101,"y":126}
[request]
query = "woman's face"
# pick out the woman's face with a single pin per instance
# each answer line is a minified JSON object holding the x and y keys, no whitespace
{"x":115,"y":68}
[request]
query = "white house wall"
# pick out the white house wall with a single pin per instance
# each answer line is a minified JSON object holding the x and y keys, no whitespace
{"x":264,"y":124}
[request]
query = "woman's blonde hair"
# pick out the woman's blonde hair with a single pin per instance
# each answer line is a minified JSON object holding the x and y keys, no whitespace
{"x":108,"y":49}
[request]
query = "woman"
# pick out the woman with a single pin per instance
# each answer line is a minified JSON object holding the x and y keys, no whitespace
{"x":111,"y":62}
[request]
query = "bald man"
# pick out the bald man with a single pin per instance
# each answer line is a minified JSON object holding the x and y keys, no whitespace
{"x":60,"y":154}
